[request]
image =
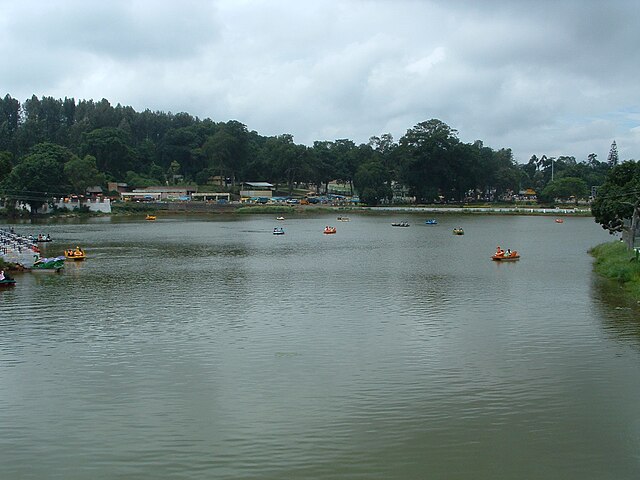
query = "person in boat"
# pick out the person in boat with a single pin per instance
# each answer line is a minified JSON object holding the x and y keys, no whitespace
{"x":499,"y":251}
{"x":508,"y":253}
{"x":2,"y":277}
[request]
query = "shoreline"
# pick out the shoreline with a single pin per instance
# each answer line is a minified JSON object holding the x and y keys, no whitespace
{"x":243,"y":209}
{"x":615,"y":263}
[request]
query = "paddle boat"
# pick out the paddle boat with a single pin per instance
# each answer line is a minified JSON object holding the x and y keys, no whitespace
{"x":458,"y":231}
{"x":400,"y":224}
{"x":505,"y":256}
{"x":75,"y":254}
{"x":150,"y":217}
{"x":559,"y":220}
{"x":431,"y":221}
{"x":343,"y":219}
{"x":7,"y":282}
{"x":279,"y":218}
{"x":278,"y":231}
{"x":54,"y":264}
{"x":329,"y":230}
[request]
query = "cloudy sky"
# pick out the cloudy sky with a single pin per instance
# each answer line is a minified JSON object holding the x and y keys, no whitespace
{"x":539,"y":77}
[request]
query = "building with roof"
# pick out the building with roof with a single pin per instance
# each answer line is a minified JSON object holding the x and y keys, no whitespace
{"x":256,"y":189}
{"x":159,"y":193}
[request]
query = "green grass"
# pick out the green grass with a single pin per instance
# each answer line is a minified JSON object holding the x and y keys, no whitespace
{"x":614,"y":261}
{"x":266,"y":209}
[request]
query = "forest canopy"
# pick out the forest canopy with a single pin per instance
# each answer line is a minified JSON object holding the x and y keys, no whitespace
{"x":61,"y":146}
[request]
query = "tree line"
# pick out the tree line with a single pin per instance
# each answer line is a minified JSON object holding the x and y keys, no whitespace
{"x":54,"y":146}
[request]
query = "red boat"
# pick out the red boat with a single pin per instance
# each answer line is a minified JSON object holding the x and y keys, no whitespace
{"x":329,"y":230}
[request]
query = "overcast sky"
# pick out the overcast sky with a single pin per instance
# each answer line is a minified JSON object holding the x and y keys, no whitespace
{"x":540,"y":77}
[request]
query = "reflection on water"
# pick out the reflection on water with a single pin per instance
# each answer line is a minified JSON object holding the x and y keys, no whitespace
{"x":619,"y":312}
{"x":209,"y":348}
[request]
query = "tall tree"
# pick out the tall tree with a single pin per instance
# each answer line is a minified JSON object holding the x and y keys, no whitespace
{"x":618,"y":199}
{"x":83,"y":173}
{"x":110,"y":146}
{"x":35,"y":180}
{"x":612,"y":159}
{"x":427,"y":151}
{"x":5,"y":164}
{"x":372,"y":182}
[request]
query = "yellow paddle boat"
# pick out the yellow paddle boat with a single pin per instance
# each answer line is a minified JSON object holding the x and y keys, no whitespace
{"x":150,"y":217}
{"x":75,"y":254}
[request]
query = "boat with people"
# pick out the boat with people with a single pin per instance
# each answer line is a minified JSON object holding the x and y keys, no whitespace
{"x":458,"y":231}
{"x":431,"y":221}
{"x":559,"y":220}
{"x":400,"y":224}
{"x":507,"y":255}
{"x":343,"y":219}
{"x":41,"y":238}
{"x":328,"y":230}
{"x":6,"y":280}
{"x":54,"y":264}
{"x":150,"y":217}
{"x":278,"y":231}
{"x":75,"y":254}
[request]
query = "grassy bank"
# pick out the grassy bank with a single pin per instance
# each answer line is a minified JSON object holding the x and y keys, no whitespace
{"x":614,"y":261}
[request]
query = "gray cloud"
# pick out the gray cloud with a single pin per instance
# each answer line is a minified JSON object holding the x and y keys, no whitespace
{"x":555,"y":78}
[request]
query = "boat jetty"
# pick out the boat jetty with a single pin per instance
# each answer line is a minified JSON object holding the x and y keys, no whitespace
{"x":17,"y":249}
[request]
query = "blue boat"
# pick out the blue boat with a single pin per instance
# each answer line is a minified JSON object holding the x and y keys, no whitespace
{"x":431,"y":221}
{"x":278,"y":231}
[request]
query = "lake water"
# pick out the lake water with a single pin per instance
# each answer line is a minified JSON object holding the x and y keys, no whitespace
{"x":206,"y":347}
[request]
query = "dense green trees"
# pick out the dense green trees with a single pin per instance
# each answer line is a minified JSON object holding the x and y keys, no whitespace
{"x":94,"y":142}
{"x":618,"y":199}
{"x":35,"y":179}
{"x":83,"y":173}
{"x":5,"y":165}
{"x":373,"y":182}
{"x":565,"y":187}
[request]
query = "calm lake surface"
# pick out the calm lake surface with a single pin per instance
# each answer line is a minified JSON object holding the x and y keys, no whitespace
{"x":202,"y":347}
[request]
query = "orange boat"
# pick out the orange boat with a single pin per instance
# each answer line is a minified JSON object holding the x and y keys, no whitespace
{"x":329,"y":230}
{"x":505,"y":256}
